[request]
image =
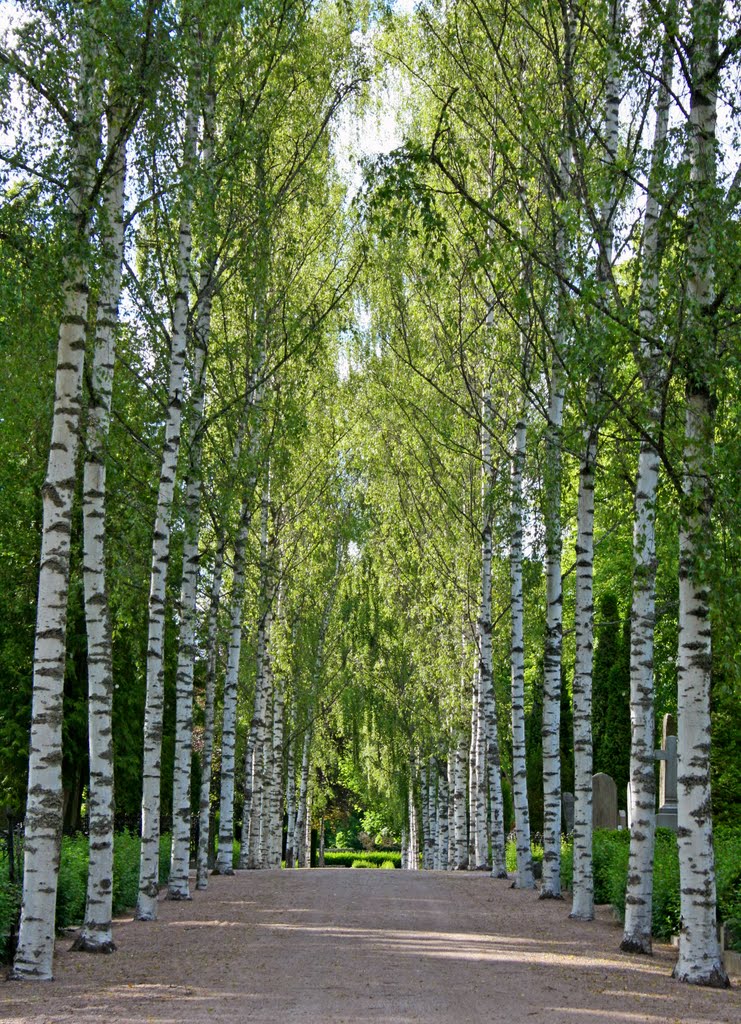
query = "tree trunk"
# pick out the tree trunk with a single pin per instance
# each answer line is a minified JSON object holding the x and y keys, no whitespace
{"x":700,"y":961}
{"x":642,"y":798}
{"x":441,"y":850}
{"x":146,"y":906}
{"x":259,"y":725}
{"x":224,"y":857}
{"x":276,"y":783}
{"x":291,"y":799}
{"x":43,"y":822}
{"x":459,"y":806}
{"x":524,"y":879}
{"x":95,"y":935}
{"x":179,"y":886}
{"x":583,"y":882}
{"x":299,"y":848}
{"x":204,"y":801}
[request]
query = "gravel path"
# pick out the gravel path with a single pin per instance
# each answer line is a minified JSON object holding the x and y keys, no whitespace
{"x":341,"y":945}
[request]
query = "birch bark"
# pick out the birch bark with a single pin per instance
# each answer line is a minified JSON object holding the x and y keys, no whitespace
{"x":146,"y":906}
{"x":642,"y":796}
{"x":441,"y":850}
{"x":276,"y":782}
{"x":426,"y":832}
{"x":209,"y":716}
{"x":583,"y":883}
{"x":291,"y":799}
{"x":700,"y":961}
{"x":224,"y":857}
{"x":95,"y":935}
{"x":459,"y":806}
{"x":43,"y":822}
{"x":299,"y":847}
{"x":552,"y":478}
{"x":179,"y":884}
{"x":259,"y":725}
{"x":524,"y":879}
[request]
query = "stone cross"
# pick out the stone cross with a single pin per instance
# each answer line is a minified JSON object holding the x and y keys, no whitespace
{"x":666,"y":816}
{"x":604,"y":801}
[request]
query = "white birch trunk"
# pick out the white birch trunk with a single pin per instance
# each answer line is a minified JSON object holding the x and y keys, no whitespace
{"x":413,"y":847}
{"x":552,"y":476}
{"x":441,"y":848}
{"x":209,"y":716}
{"x":299,"y":849}
{"x":291,"y":799}
{"x":178,"y":884}
{"x":481,"y":847}
{"x":583,"y":880}
{"x":44,"y":803}
{"x":266,"y":761}
{"x":95,"y":935}
{"x":642,"y":809}
{"x":459,"y":806}
{"x":473,"y":780}
{"x":524,"y":878}
{"x":224,"y":856}
{"x":700,"y":961}
{"x":307,"y":830}
{"x":259,"y":725}
{"x":493,"y":761}
{"x":276,"y":784}
{"x":146,"y":906}
{"x":426,"y":833}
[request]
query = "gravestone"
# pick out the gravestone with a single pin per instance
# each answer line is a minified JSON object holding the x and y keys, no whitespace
{"x":666,"y":816}
{"x":567,"y":813}
{"x":622,"y":819}
{"x":604,"y":801}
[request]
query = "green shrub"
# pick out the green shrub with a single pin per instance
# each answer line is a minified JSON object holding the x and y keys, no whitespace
{"x":126,"y":848}
{"x":510,"y":854}
{"x":72,"y":884}
{"x":728,"y":878}
{"x":359,"y":863}
{"x":346,"y":859}
{"x":10,"y":908}
{"x":389,"y":864}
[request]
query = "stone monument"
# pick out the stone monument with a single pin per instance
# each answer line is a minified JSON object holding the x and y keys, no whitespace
{"x":604,"y":801}
{"x":567,"y":813}
{"x":666,"y":816}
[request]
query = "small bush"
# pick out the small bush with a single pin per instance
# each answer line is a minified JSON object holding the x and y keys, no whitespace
{"x":10,"y":908}
{"x":72,"y":884}
{"x":359,"y":863}
{"x":510,"y":854}
{"x":388,"y":864}
{"x":346,"y":858}
{"x":126,"y":849}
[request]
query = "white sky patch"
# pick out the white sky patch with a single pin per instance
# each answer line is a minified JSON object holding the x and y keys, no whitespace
{"x":379,"y":129}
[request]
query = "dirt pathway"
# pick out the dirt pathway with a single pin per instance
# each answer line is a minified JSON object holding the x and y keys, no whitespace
{"x":341,"y":945}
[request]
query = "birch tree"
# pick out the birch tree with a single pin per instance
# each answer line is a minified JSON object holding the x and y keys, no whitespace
{"x":96,"y":935}
{"x":642,"y":794}
{"x":146,"y":906}
{"x":43,"y":827}
{"x":700,"y":960}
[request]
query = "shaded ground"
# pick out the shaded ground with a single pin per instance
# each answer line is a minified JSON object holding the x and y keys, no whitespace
{"x":341,"y":945}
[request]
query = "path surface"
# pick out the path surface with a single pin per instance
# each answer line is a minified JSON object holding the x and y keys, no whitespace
{"x":341,"y":945}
